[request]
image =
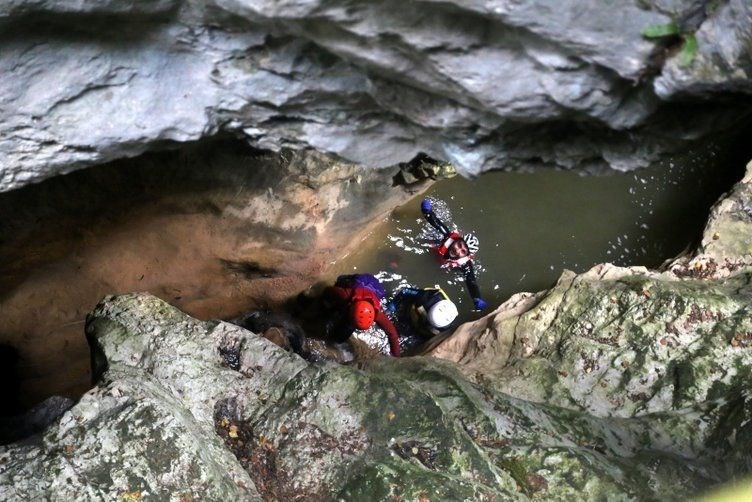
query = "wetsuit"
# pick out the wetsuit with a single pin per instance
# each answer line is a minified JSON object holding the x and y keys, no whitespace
{"x":339,"y":299}
{"x":465,"y":264}
{"x":415,"y":303}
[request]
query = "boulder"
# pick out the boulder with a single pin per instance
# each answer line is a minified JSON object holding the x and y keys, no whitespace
{"x":186,"y":409}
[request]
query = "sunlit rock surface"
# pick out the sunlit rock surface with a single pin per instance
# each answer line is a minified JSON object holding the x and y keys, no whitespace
{"x":498,"y":84}
{"x":208,"y":410}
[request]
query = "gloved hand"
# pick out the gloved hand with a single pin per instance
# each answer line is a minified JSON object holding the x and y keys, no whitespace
{"x":426,"y":206}
{"x":479,"y":304}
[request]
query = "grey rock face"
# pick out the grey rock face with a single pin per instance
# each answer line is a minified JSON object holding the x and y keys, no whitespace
{"x":13,"y":8}
{"x":189,"y":409}
{"x":484,"y":85}
{"x":723,"y":61}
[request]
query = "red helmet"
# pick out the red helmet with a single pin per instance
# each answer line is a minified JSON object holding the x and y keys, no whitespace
{"x":363,"y":314}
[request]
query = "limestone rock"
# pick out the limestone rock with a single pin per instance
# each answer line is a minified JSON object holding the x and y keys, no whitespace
{"x":726,"y":246}
{"x":624,"y":345}
{"x":722,"y":60}
{"x":208,"y":410}
{"x":498,"y":84}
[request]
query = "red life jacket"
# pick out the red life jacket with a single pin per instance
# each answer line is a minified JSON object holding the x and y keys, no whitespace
{"x":444,"y":248}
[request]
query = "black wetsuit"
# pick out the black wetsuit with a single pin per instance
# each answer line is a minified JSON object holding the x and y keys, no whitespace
{"x":413,"y":304}
{"x":468,"y":269}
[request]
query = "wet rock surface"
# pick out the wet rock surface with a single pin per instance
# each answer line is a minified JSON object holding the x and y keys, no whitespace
{"x":480,"y":84}
{"x":170,"y":417}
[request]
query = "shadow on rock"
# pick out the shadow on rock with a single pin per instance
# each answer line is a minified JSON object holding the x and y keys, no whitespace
{"x":302,"y":332}
{"x":24,"y":425}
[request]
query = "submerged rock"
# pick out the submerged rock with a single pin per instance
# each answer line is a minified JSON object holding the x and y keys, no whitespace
{"x":170,"y":417}
{"x":480,"y":84}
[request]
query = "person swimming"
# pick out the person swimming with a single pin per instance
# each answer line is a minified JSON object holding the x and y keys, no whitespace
{"x":456,"y":251}
{"x":429,"y":311}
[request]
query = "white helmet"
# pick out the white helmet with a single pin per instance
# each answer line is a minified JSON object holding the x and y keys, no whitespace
{"x":472,"y":243}
{"x":442,"y":314}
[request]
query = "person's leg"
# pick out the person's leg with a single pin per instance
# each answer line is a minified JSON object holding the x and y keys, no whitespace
{"x":428,"y":213}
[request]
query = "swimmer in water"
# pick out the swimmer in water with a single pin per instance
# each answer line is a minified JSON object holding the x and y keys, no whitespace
{"x":456,"y":251}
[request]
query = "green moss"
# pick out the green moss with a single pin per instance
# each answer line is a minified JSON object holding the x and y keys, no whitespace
{"x":518,"y":471}
{"x":401,"y":480}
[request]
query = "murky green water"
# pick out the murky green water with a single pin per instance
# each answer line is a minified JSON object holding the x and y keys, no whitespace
{"x":532,"y":226}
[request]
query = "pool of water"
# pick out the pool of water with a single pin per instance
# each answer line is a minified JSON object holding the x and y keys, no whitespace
{"x":532,"y":226}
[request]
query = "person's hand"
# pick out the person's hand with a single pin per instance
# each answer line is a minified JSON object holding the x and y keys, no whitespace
{"x":479,"y":304}
{"x":426,"y":206}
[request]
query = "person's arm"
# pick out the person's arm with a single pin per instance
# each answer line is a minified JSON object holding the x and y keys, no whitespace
{"x":431,"y":218}
{"x":472,"y":286}
{"x":391,"y":332}
{"x":407,"y":291}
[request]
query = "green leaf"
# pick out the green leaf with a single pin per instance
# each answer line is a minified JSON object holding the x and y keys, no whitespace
{"x":688,"y":51}
{"x":661,"y":30}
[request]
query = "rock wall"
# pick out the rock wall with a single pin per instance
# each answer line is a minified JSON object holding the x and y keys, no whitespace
{"x":498,"y":84}
{"x":188,"y":409}
{"x":215,"y":228}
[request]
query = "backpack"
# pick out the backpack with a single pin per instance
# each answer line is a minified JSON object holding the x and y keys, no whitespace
{"x":366,"y":281}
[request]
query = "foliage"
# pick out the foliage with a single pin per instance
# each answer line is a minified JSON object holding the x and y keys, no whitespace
{"x":688,"y":51}
{"x":663,"y":31}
